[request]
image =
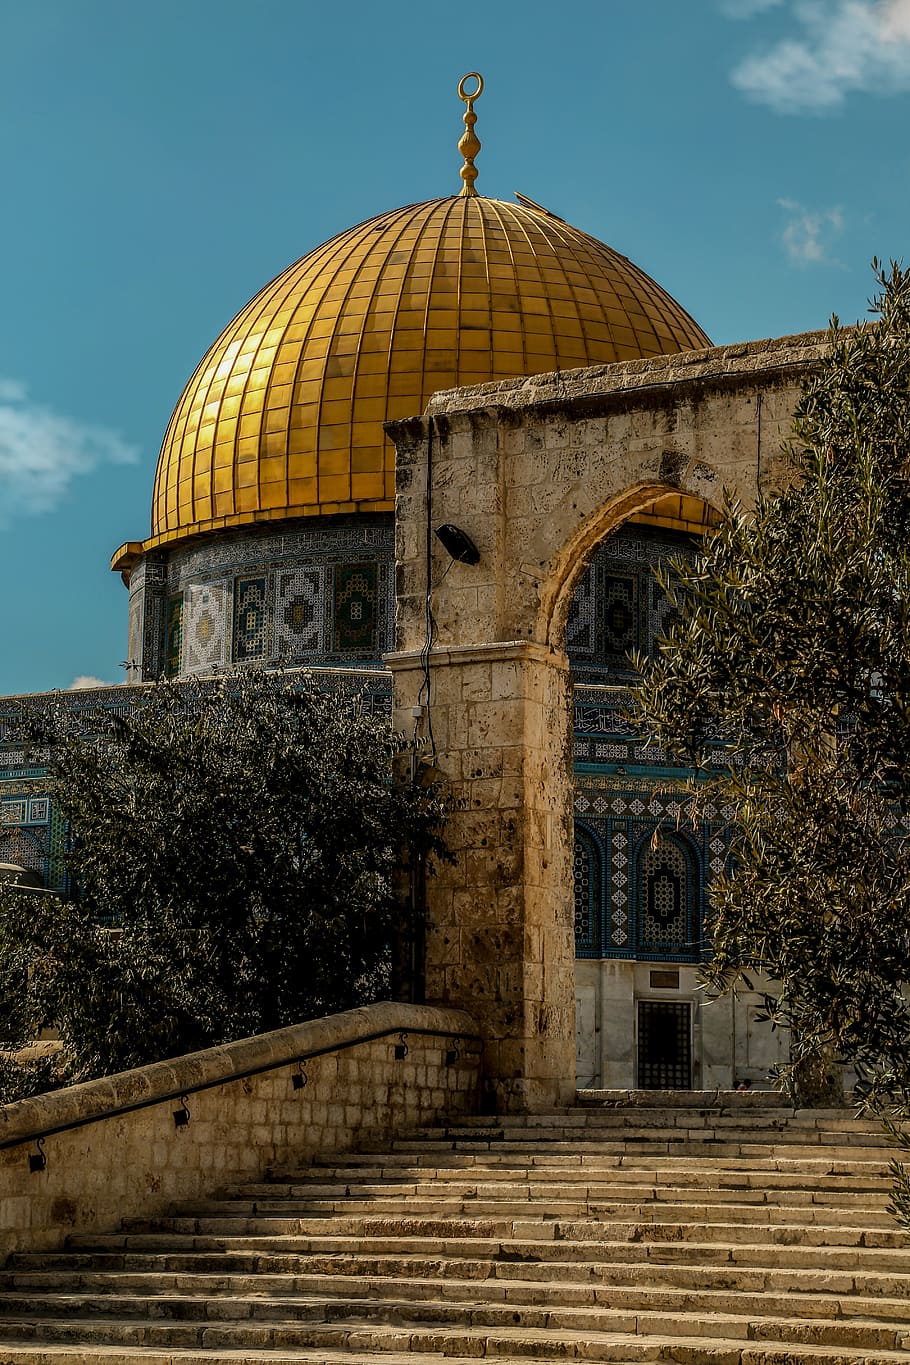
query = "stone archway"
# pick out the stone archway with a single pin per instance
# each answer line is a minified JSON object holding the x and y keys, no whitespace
{"x":537,"y":485}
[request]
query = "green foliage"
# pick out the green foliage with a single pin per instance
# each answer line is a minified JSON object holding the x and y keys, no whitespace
{"x":788,"y":669}
{"x":232,"y":861}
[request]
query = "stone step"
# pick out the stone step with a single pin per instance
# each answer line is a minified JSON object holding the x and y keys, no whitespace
{"x":709,"y":1352}
{"x":732,"y":1233}
{"x":564,"y":1280}
{"x":280,"y":1252}
{"x":621,"y":1334}
{"x":473,"y":1172}
{"x":657,"y":1209}
{"x":532,"y":1157}
{"x":713,"y":1129}
{"x":659,"y":1146}
{"x":828,"y":1233}
{"x":518,"y":1301}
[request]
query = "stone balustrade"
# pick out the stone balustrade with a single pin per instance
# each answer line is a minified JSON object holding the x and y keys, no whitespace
{"x":131,"y":1145}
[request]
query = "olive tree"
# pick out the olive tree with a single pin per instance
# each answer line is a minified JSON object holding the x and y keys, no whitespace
{"x":785,"y":683}
{"x":232,"y":860}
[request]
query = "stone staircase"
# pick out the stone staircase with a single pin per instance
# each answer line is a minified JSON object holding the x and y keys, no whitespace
{"x":670,"y":1227}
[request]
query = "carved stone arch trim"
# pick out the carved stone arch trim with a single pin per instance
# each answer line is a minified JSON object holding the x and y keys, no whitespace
{"x":569,"y":563}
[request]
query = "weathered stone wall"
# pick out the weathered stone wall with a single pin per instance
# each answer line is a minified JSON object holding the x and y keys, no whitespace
{"x":137,"y":1163}
{"x":537,"y":471}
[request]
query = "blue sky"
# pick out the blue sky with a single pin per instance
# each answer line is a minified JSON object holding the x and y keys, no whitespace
{"x":161,"y":162}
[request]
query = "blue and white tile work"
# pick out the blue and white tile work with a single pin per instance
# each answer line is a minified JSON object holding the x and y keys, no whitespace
{"x":309,"y":593}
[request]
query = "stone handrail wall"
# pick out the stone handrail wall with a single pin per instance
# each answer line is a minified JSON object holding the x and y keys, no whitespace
{"x":113,"y":1150}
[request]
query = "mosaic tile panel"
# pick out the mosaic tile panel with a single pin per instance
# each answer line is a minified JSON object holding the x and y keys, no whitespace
{"x":251,"y":619}
{"x":588,"y":880}
{"x":173,"y":639}
{"x":358,"y":632}
{"x":300,"y":612}
{"x":580,"y":627}
{"x":618,"y":632}
{"x":628,"y":813}
{"x":205,"y":633}
{"x":618,"y":605}
{"x":355,"y":607}
{"x":13,"y":811}
{"x":664,"y":896}
{"x":27,"y":848}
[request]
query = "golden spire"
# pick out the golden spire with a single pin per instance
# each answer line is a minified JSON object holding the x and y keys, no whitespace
{"x":469,"y":144}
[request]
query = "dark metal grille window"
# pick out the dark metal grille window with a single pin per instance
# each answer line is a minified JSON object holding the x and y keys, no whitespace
{"x":664,"y":1047}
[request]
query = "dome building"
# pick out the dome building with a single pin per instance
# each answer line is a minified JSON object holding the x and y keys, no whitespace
{"x":273,"y":543}
{"x":272,"y":514}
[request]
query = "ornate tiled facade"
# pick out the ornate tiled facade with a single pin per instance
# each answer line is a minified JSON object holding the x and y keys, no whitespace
{"x":307,"y":594}
{"x":323,"y":594}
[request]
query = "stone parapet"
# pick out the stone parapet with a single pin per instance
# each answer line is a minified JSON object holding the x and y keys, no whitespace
{"x":732,"y":363}
{"x":114,"y":1149}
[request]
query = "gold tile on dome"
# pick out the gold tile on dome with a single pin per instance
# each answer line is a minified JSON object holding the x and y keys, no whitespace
{"x":367,"y":486}
{"x":274,"y":495}
{"x":455,"y":291}
{"x":302,"y":490}
{"x":273,"y":468}
{"x":366,"y":448}
{"x":335,"y":442}
{"x":302,"y":464}
{"x":369,"y":411}
{"x":334,"y":487}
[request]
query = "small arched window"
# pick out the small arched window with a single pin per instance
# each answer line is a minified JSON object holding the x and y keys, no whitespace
{"x":588,"y":868}
{"x":667,"y":898}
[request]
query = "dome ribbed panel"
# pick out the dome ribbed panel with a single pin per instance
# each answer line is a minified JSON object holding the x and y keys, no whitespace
{"x":283,"y":416}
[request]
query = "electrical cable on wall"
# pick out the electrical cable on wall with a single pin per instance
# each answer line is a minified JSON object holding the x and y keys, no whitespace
{"x":424,"y":695}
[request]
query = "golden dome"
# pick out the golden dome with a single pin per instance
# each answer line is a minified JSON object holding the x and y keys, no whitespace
{"x":283,"y":417}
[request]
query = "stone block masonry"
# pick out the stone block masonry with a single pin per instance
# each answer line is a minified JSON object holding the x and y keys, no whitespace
{"x":113,"y":1149}
{"x":538,"y":472}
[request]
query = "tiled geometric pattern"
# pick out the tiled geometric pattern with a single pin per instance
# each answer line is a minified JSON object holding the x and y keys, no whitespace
{"x":663,"y":887}
{"x":13,"y":811}
{"x":653,"y":900}
{"x":287,"y":580}
{"x":251,"y":619}
{"x":618,"y":619}
{"x":299,"y":612}
{"x":173,"y":639}
{"x":356,"y":603}
{"x":588,"y":877}
{"x":580,"y":627}
{"x":619,"y":885}
{"x":28,"y":835}
{"x":618,"y":604}
{"x":204,"y":626}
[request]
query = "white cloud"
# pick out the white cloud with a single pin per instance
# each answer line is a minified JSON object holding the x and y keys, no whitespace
{"x":41,"y":452}
{"x":808,"y":235}
{"x":85,"y":681}
{"x":839,"y":46}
